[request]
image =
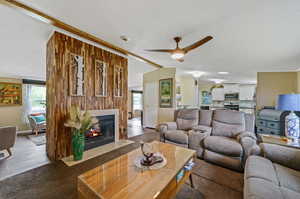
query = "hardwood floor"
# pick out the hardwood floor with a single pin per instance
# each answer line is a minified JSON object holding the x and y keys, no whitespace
{"x":56,"y":180}
{"x":134,"y":127}
{"x":25,"y":156}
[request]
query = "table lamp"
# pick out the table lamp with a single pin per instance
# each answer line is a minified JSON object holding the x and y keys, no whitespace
{"x":290,"y":102}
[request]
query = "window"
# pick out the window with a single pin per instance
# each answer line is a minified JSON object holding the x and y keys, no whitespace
{"x":137,"y":101}
{"x":38,"y":98}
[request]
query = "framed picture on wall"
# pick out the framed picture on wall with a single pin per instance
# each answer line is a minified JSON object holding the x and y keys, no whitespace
{"x":10,"y":94}
{"x":76,"y":75}
{"x":166,"y":93}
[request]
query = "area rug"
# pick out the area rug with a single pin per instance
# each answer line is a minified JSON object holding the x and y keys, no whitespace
{"x":38,"y":140}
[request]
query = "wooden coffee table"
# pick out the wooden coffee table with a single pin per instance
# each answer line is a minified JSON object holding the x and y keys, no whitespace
{"x":121,"y":179}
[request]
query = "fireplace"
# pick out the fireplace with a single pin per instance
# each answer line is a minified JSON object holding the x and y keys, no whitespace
{"x":102,"y":133}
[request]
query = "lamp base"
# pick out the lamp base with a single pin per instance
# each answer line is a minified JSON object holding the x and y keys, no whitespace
{"x":292,"y":128}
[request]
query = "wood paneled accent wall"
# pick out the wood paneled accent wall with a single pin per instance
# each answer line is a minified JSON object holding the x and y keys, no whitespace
{"x":59,"y":48}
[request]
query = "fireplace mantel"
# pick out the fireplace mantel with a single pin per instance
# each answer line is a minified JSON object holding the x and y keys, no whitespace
{"x":104,"y":112}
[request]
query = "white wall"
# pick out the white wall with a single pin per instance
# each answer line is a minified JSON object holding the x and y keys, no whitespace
{"x":187,"y":89}
{"x":12,"y":115}
{"x":163,"y":114}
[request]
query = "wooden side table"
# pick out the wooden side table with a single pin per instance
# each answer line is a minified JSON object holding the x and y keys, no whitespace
{"x":280,"y":140}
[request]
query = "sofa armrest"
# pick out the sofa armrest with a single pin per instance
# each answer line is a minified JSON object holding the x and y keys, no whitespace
{"x":286,"y":156}
{"x":248,"y":141}
{"x":8,"y":137}
{"x":164,"y":127}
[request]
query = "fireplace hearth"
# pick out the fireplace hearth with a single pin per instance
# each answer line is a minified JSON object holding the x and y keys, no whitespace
{"x":102,"y":133}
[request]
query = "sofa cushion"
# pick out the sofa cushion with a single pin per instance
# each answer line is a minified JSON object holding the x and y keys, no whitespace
{"x":205,"y":117}
{"x":187,"y":118}
{"x":229,"y":116}
{"x":258,"y":188}
{"x":286,"y":156}
{"x":224,"y":160}
{"x":186,"y":124}
{"x":288,"y":178}
{"x":259,"y":167}
{"x":223,"y":145}
{"x":177,"y":136}
{"x":289,"y":194}
{"x":188,"y":114}
{"x":226,"y":129}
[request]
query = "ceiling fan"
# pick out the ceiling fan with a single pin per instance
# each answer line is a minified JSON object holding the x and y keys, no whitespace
{"x":178,"y":53}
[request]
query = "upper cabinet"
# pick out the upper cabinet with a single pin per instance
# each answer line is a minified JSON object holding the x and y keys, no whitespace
{"x":247,"y":92}
{"x":231,"y":88}
{"x":218,"y":94}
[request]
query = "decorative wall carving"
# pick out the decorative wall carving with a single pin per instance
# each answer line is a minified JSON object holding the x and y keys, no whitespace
{"x":118,"y":81}
{"x":76,"y":75}
{"x":100,"y":78}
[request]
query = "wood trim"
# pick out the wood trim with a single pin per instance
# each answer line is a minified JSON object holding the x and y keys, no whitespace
{"x":60,"y":24}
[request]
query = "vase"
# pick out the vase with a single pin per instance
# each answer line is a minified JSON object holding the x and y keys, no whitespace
{"x":78,"y":145}
{"x":292,"y":129}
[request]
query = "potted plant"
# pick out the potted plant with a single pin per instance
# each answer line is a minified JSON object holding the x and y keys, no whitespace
{"x":80,"y":122}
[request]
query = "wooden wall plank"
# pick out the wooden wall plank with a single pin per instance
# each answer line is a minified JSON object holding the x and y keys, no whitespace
{"x":59,"y":101}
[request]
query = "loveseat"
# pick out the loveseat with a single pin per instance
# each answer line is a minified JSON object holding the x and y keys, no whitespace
{"x":224,"y":137}
{"x":273,"y":174}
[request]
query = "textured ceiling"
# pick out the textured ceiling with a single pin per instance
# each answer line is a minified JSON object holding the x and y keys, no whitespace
{"x":249,"y":36}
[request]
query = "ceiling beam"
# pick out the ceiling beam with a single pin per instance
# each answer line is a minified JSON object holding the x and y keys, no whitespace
{"x":60,"y":24}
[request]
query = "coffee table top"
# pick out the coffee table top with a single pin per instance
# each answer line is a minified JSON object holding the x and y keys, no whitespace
{"x":120,"y":178}
{"x":280,"y":140}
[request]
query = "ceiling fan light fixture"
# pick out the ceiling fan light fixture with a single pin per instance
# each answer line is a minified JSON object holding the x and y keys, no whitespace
{"x":177,"y":55}
{"x":223,"y":73}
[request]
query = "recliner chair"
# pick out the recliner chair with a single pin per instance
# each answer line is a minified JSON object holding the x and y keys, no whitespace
{"x":224,"y":137}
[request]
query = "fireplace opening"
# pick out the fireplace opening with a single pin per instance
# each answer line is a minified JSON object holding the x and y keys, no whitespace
{"x":101,"y":133}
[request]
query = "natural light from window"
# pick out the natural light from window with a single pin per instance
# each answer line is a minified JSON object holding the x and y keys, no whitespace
{"x":137,"y":99}
{"x":38,"y":98}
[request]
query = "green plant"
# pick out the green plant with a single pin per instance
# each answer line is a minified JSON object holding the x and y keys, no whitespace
{"x":80,"y":121}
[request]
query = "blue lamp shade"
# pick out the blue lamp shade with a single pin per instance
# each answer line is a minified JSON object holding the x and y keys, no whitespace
{"x":289,"y":102}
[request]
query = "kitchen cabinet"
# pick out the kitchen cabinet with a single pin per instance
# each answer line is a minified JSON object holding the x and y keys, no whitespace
{"x":247,"y":92}
{"x":231,"y":88}
{"x":218,"y":94}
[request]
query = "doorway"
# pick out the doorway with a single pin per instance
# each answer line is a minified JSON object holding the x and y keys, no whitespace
{"x":135,"y":113}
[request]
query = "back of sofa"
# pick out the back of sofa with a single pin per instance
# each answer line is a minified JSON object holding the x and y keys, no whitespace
{"x":224,"y":122}
{"x":228,"y":123}
{"x":186,"y":119}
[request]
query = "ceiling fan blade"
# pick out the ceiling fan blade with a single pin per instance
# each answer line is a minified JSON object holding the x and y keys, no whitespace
{"x":197,"y":44}
{"x":180,"y":60}
{"x":161,"y":50}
